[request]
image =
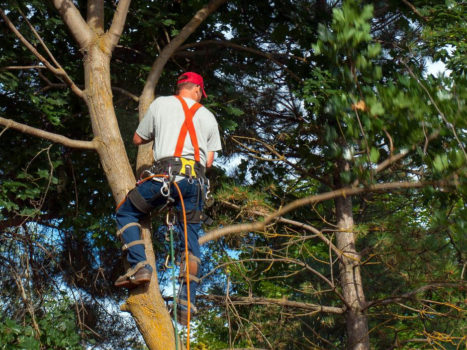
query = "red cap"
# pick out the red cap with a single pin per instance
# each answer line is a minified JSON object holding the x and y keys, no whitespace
{"x":192,"y":77}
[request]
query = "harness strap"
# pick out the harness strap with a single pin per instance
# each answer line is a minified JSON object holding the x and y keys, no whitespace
{"x":131,"y":244}
{"x":139,"y":201}
{"x":192,"y":216}
{"x":185,"y":303}
{"x":120,"y":232}
{"x":187,"y":127}
{"x":193,"y":278}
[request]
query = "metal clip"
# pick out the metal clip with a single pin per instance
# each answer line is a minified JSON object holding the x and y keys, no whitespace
{"x":165,"y":188}
{"x":208,"y":190}
{"x":170,"y":223}
{"x":166,"y":264}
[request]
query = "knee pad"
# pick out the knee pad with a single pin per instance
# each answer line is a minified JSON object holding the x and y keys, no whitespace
{"x":193,"y":267}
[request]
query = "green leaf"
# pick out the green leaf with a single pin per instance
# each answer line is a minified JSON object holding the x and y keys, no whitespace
{"x":441,"y":162}
{"x":374,"y":155}
{"x":376,"y":108}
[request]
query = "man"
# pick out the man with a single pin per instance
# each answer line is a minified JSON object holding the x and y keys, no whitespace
{"x":185,"y":136}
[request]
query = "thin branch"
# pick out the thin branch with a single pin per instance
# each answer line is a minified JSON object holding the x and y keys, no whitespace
{"x":414,"y":9}
{"x":22,"y":67}
{"x":349,"y":191}
{"x":61,"y":86}
{"x":411,"y":294}
{"x":126,"y":93}
{"x":91,"y":145}
{"x":118,"y":23}
{"x":38,"y":37}
{"x":243,"y":48}
{"x":238,"y":300}
{"x":448,"y":124}
{"x":57,"y":71}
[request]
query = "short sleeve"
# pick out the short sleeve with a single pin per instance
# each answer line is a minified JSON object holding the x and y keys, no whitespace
{"x":214,"y":139}
{"x":146,"y":127}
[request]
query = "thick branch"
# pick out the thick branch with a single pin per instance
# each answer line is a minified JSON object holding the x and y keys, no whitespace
{"x":169,"y":49}
{"x":95,"y":15}
{"x":118,"y":23}
{"x":8,"y":123}
{"x":237,"y":300}
{"x":75,"y":22}
{"x":349,"y":191}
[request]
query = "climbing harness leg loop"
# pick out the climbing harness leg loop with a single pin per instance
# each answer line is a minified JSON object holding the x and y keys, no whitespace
{"x":120,"y":232}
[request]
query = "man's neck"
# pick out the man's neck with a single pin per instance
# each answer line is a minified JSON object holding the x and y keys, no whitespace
{"x":188,"y":94}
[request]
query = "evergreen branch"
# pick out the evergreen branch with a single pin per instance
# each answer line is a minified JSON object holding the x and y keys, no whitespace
{"x":238,"y":300}
{"x":343,"y":192}
{"x":441,"y":114}
{"x":396,"y":157}
{"x":298,"y":224}
{"x":412,"y":294}
{"x":8,"y":123}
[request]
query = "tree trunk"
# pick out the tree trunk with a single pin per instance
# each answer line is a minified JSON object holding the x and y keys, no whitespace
{"x":350,"y":275}
{"x":145,"y":303}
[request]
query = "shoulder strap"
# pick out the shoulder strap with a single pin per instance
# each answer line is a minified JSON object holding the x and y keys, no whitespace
{"x":187,"y":127}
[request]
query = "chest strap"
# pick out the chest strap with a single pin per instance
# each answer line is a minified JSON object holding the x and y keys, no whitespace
{"x":187,"y":127}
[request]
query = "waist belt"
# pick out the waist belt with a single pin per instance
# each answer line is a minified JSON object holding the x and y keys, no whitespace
{"x":179,"y":166}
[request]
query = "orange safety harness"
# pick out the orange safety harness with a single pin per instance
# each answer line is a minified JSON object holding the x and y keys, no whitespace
{"x":187,"y":127}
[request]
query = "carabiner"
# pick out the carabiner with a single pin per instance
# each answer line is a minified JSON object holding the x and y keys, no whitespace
{"x":165,"y":188}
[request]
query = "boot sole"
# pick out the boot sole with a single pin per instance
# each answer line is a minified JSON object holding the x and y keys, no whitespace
{"x":132,"y":284}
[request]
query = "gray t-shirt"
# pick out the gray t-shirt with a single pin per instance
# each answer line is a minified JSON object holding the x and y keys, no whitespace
{"x":163,"y":122}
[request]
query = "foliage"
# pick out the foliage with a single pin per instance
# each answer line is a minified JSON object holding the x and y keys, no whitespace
{"x":57,"y":330}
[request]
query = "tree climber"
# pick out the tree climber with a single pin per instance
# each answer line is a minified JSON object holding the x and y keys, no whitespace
{"x":179,"y":159}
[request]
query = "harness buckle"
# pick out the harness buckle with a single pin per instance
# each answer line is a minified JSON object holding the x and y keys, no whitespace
{"x":188,"y":167}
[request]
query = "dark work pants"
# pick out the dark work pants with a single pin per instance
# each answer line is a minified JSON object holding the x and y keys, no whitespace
{"x":150,"y":190}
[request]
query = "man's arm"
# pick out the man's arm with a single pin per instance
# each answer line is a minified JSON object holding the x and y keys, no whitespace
{"x":210,"y":159}
{"x":138,"y":140}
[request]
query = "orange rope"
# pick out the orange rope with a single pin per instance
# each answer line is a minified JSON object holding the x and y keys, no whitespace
{"x":186,"y":251}
{"x":187,"y":267}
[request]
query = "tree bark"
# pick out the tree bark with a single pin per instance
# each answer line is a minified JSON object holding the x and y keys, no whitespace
{"x":145,"y":303}
{"x":350,"y":274}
